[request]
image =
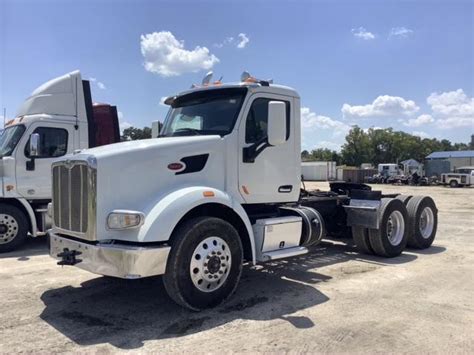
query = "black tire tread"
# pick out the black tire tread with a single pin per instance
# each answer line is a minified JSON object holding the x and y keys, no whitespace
{"x":414,"y":240}
{"x":404,"y":198}
{"x":375,"y":235}
{"x":360,"y":236}
{"x":23,"y":226}
{"x":172,"y":274}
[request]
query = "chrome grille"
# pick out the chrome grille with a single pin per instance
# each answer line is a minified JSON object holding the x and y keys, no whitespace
{"x":74,"y":198}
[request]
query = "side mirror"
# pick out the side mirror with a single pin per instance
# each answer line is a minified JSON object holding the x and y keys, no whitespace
{"x":276,"y":123}
{"x":156,"y":127}
{"x":34,"y":145}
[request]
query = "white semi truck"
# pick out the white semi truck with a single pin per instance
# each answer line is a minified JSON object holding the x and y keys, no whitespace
{"x":220,"y":187}
{"x":57,"y":119}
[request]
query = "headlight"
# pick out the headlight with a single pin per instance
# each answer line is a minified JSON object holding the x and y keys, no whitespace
{"x":122,"y":219}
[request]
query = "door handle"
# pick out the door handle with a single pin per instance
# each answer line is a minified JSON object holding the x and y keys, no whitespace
{"x":285,"y":188}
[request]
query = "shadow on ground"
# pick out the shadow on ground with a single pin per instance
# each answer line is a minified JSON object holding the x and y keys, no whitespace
{"x":125,"y":313}
{"x":32,"y":247}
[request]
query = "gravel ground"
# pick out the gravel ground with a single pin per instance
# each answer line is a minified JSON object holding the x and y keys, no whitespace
{"x":330,"y":300}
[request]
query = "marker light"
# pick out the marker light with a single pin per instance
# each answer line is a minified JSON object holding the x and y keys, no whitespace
{"x":122,"y":219}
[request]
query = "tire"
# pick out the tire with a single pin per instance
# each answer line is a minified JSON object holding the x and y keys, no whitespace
{"x":193,"y":245}
{"x":385,"y":241}
{"x":404,"y":198}
{"x":453,"y":183}
{"x":13,"y":227}
{"x":360,"y":235}
{"x":422,"y":222}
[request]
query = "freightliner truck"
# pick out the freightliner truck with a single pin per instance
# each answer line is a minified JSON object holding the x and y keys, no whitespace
{"x":57,"y":119}
{"x":220,"y":187}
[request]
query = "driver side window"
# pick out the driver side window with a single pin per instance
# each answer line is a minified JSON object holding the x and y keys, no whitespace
{"x":256,"y":123}
{"x":53,"y":142}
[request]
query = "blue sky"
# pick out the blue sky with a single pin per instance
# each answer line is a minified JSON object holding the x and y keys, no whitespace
{"x":401,"y":64}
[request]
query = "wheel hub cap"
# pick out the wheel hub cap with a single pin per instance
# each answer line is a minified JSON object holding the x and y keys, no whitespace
{"x":8,"y":228}
{"x":426,"y":222}
{"x":395,"y":228}
{"x":210,"y":264}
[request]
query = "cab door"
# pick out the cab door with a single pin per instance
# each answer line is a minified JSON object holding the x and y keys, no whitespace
{"x":271,"y":173}
{"x":34,"y":175}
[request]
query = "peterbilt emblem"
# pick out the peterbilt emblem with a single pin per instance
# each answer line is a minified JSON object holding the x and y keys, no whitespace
{"x":68,"y":164}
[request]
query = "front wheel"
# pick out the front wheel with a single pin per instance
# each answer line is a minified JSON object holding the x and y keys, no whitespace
{"x":453,"y":183}
{"x":205,"y":263}
{"x":13,"y":228}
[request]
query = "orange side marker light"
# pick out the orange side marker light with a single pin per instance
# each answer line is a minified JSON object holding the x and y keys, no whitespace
{"x":208,"y":194}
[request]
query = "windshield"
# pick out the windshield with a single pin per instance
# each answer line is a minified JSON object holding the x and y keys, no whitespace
{"x":204,"y":113}
{"x":9,"y":139}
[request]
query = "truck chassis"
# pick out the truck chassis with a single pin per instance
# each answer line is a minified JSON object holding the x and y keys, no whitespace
{"x":207,"y":249}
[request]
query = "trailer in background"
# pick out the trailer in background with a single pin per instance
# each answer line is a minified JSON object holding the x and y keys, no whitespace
{"x":318,"y":170}
{"x":353,"y":174}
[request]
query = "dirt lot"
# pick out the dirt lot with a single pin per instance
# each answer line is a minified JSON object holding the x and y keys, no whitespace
{"x":330,"y":300}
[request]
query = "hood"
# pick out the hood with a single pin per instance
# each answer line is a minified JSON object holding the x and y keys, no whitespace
{"x":155,"y":145}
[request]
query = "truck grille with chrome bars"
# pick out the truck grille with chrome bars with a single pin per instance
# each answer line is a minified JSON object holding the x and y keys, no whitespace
{"x":74,"y":198}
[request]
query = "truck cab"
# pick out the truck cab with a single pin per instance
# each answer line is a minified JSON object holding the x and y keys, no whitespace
{"x":218,"y":188}
{"x":57,"y":119}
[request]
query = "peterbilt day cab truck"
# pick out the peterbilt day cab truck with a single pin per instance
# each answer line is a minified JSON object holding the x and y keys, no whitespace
{"x":57,"y":119}
{"x":220,"y":187}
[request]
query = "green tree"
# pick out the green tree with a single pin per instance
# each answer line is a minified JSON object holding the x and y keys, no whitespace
{"x":325,"y":154}
{"x":305,"y":156}
{"x":357,"y":148}
{"x":134,"y":133}
{"x":388,"y":146}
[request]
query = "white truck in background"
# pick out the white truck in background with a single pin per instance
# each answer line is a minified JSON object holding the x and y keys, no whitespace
{"x":57,"y":119}
{"x":220,"y":187}
{"x":463,"y":176}
{"x":388,"y":170}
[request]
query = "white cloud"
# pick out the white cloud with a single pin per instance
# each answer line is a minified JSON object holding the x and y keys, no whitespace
{"x":362,"y":33}
{"x":123,"y":124}
{"x":421,"y":134}
{"x":240,"y":42}
{"x":243,"y":40}
{"x":310,"y":120}
{"x":164,"y":55}
{"x":382,"y":106}
{"x":375,"y":128}
{"x":452,"y":109}
{"x":99,"y":84}
{"x":319,"y":131}
{"x":400,"y":32}
{"x":419,"y":121}
{"x":225,"y":42}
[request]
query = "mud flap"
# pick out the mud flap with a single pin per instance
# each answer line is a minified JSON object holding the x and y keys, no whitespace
{"x":363,"y":213}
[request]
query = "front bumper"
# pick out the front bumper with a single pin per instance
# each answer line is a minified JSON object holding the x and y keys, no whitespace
{"x":118,"y":260}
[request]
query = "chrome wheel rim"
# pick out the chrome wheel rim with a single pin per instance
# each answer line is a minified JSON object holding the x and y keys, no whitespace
{"x":8,"y":228}
{"x":426,"y":224}
{"x":395,"y":228}
{"x":210,"y":264}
